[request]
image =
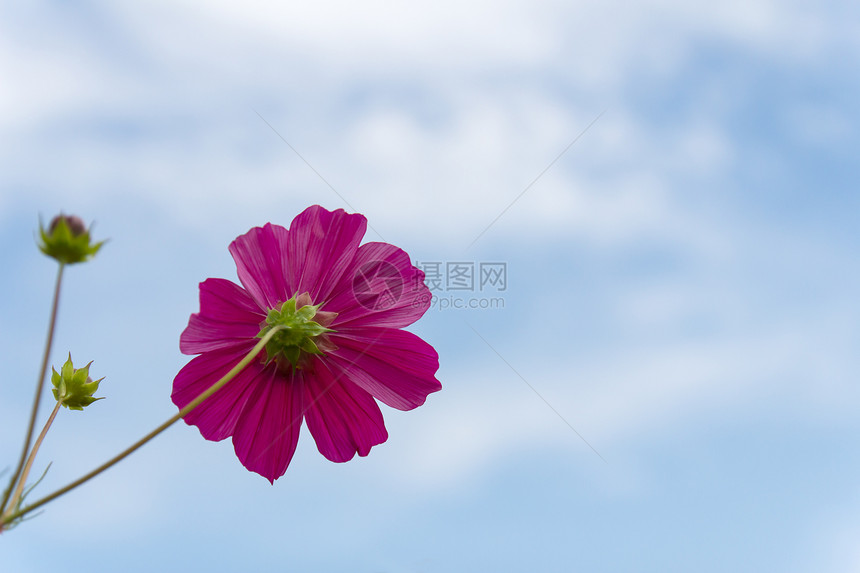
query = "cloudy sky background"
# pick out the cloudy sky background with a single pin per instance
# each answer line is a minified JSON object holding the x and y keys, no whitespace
{"x":682,"y":289}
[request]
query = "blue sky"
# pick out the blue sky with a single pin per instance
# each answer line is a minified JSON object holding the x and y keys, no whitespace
{"x":681,"y":280}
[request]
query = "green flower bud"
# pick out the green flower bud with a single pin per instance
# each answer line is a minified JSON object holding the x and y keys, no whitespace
{"x":73,"y":387}
{"x":67,"y":240}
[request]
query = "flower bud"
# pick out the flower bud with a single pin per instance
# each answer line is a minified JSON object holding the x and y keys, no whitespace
{"x":67,"y":240}
{"x":73,"y":387}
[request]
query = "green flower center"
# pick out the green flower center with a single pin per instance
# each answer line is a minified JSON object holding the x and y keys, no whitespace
{"x":302,"y":331}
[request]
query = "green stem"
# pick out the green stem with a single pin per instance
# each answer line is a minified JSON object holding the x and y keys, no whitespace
{"x":16,"y":498}
{"x":39,"y":383}
{"x":182,"y":413}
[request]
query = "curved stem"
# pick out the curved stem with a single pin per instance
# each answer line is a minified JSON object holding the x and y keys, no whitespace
{"x":131,"y":449}
{"x":16,"y":498}
{"x":39,"y":383}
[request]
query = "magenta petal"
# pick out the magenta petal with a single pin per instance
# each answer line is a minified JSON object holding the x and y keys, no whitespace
{"x":395,"y":366}
{"x":342,"y":418}
{"x":321,"y":246}
{"x":366,"y":293}
{"x":228,"y":316}
{"x":261,"y":264}
{"x":381,"y":288}
{"x":268,"y":429}
{"x":216,"y":417}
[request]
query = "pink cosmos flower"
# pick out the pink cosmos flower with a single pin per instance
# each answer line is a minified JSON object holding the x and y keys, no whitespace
{"x":343,"y":305}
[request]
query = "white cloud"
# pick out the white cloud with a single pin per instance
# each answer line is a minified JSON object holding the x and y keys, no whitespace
{"x":833,"y":537}
{"x":199,"y":70}
{"x":620,"y":399}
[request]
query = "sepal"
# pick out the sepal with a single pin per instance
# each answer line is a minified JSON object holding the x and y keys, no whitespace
{"x":67,"y":240}
{"x":73,"y":387}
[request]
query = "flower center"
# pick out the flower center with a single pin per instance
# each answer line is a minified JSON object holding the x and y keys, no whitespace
{"x":303,"y":331}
